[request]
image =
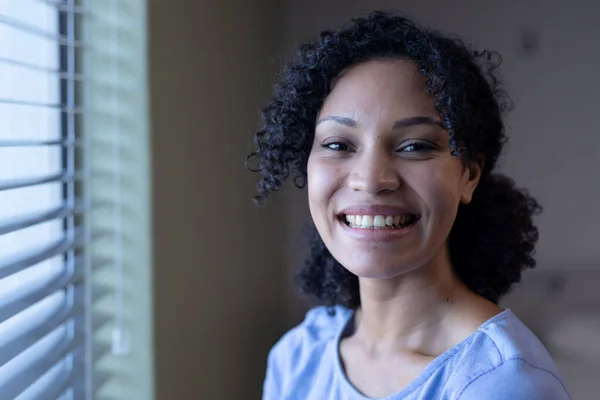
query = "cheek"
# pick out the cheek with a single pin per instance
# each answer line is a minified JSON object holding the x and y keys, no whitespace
{"x":321,"y":184}
{"x":439,"y":188}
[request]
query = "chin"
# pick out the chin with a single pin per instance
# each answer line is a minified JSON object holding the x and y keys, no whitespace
{"x":373,"y":267}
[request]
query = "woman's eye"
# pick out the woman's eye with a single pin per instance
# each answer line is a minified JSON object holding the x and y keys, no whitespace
{"x":417,"y":147}
{"x":336,"y":146}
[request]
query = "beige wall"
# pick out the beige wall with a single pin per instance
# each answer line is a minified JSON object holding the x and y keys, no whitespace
{"x":217,"y":273}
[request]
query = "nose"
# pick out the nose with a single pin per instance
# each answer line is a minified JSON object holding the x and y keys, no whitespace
{"x":374,"y":174}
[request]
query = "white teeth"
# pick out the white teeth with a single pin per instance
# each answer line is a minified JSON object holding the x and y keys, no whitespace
{"x":377,"y":221}
{"x":367,"y":221}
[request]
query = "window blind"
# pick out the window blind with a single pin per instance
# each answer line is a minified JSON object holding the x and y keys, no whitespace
{"x":43,"y":346}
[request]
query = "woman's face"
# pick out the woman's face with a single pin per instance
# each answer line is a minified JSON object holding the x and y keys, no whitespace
{"x":383,"y":186}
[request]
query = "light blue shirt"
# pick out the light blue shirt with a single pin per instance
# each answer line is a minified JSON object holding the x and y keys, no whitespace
{"x":503,"y":360}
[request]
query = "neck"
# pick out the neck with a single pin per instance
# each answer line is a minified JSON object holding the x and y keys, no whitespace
{"x":412,"y":312}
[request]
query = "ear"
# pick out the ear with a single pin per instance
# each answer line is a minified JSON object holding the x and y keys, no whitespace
{"x":470,"y":178}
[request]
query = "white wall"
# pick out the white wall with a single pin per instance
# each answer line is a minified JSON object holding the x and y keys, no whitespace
{"x":217,"y":274}
{"x":555,"y":140}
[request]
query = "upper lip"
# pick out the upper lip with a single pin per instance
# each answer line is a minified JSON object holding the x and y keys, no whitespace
{"x":377,"y":209}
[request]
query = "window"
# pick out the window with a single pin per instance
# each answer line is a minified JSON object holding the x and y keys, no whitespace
{"x":41,"y":286}
{"x":72,"y":97}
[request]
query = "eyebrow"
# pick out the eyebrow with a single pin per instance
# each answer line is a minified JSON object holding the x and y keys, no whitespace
{"x":412,"y":121}
{"x":400,"y":124}
{"x":349,"y":122}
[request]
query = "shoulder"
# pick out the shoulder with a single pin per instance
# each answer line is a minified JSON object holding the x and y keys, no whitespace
{"x":515,"y":379}
{"x":302,"y":347}
{"x":510,"y":363}
{"x":319,"y":325}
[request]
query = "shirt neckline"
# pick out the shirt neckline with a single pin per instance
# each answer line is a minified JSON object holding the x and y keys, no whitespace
{"x":438,"y":362}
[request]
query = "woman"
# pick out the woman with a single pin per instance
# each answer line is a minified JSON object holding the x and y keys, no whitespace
{"x":396,"y":130}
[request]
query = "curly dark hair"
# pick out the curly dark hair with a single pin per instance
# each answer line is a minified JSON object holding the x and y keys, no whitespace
{"x":493,"y":238}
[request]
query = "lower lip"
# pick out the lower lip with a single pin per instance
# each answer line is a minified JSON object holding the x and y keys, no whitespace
{"x":376,"y":235}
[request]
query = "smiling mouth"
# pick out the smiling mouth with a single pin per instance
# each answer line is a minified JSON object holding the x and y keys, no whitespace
{"x":380,"y":221}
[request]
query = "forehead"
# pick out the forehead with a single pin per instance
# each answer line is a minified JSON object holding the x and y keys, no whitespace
{"x":380,"y":89}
